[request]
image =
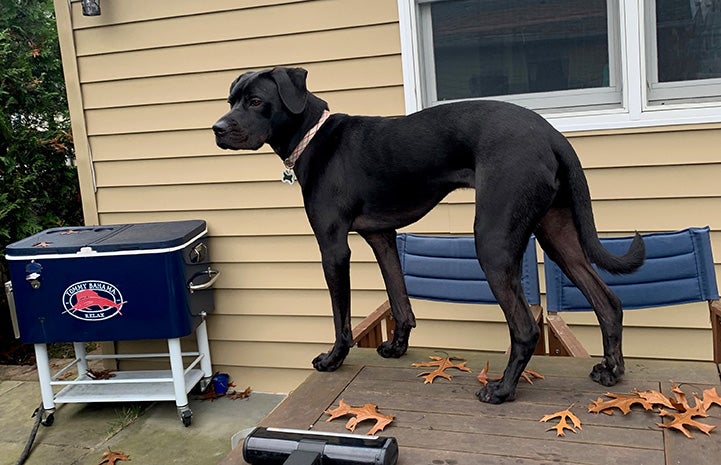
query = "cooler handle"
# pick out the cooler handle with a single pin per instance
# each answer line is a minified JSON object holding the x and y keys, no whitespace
{"x":213,"y":276}
{"x":13,"y":311}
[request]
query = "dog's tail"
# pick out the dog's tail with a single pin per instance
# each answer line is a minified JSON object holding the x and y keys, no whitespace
{"x":580,"y":198}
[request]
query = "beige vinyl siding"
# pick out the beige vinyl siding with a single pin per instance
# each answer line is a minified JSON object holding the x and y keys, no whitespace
{"x":146,"y":81}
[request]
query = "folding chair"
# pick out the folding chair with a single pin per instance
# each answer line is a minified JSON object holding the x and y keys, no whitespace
{"x":445,"y":268}
{"x":679,"y":268}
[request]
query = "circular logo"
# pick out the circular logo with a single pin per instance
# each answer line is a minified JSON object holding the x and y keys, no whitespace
{"x":92,"y":300}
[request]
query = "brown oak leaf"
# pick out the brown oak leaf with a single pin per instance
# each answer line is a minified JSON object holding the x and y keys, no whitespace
{"x":683,"y":419}
{"x":655,"y":398}
{"x":681,"y":402}
{"x":112,"y":456}
{"x":483,"y":377}
{"x":239,"y":395}
{"x":622,"y":402}
{"x":527,"y":375}
{"x":563,"y":425}
{"x":367,"y":412}
{"x":710,"y":397}
{"x":443,"y":364}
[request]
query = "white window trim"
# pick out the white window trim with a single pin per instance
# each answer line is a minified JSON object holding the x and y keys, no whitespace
{"x":635,"y":112}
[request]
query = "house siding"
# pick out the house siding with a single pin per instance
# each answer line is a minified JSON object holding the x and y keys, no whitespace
{"x":146,"y":80}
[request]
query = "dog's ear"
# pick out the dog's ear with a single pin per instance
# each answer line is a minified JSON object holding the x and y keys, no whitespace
{"x":291,"y":87}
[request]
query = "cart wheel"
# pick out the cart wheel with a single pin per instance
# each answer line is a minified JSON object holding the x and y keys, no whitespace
{"x":186,"y":417}
{"x":48,"y":420}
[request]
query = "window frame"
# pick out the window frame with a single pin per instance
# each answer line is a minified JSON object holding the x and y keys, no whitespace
{"x":635,"y":111}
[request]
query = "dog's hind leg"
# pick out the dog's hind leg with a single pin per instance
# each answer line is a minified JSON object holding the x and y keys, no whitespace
{"x":500,"y":250}
{"x":558,"y":236}
{"x":385,"y":249}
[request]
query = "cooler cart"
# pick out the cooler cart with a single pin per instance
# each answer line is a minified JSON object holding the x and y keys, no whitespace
{"x":111,"y":283}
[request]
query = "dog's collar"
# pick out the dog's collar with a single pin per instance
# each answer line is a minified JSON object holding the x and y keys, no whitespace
{"x":298,"y":150}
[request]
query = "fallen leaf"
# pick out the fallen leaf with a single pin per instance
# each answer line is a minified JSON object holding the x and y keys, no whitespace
{"x":527,"y":375}
{"x":562,"y":425}
{"x":681,"y":402}
{"x":683,"y":419}
{"x":367,"y":412}
{"x":443,"y":364}
{"x":99,"y":374}
{"x":655,"y":398}
{"x":623,"y":402}
{"x":239,"y":395}
{"x":483,"y":377}
{"x":710,"y":397}
{"x":111,"y":456}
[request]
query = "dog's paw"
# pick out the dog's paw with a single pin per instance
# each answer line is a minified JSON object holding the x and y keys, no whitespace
{"x":496,"y":393}
{"x":389,"y":350}
{"x":330,"y":361}
{"x":606,"y":375}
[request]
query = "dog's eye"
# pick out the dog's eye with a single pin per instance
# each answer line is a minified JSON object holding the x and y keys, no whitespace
{"x":255,"y":102}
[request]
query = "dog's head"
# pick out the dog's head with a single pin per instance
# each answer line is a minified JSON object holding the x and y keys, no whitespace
{"x":261,"y":103}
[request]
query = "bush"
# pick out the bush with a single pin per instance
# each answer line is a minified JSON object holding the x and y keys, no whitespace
{"x":38,"y":178}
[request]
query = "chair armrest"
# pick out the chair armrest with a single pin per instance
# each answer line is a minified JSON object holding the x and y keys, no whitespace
{"x":715,"y":310}
{"x":369,"y":332}
{"x":561,"y":341}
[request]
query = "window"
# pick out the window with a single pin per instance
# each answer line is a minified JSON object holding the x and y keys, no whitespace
{"x":683,"y":40}
{"x":548,"y":54}
{"x":591,"y":64}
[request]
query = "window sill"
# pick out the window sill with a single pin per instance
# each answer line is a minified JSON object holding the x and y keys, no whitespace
{"x":623,"y":119}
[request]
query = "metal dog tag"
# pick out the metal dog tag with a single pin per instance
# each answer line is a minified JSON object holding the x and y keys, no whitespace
{"x":288,"y":177}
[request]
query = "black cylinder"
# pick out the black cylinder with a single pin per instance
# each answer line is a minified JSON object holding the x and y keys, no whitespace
{"x":273,"y":446}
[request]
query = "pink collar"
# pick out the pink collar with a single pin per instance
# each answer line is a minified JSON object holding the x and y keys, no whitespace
{"x":290,"y":161}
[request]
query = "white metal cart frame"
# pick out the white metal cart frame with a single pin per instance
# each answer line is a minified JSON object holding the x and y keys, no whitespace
{"x":127,"y":386}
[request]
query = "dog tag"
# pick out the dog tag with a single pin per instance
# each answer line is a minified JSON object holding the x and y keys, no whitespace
{"x":288,"y":177}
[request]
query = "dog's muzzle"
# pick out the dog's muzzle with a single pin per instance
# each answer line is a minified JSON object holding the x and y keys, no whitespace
{"x":221,"y":129}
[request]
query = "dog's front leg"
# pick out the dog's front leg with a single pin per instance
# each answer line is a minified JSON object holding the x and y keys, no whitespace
{"x":335,"y":256}
{"x":385,"y":249}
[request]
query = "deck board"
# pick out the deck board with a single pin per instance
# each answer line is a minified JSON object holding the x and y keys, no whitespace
{"x":443,"y":423}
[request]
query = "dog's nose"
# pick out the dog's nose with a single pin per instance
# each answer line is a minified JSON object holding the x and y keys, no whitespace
{"x":220,"y":128}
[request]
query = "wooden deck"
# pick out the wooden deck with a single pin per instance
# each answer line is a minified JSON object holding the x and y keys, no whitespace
{"x":444,"y":424}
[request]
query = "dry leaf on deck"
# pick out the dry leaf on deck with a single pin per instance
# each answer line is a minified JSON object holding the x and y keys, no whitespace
{"x":681,"y":402}
{"x":442,"y":364}
{"x":528,"y":374}
{"x":562,"y":425}
{"x":655,"y":398}
{"x":710,"y":397}
{"x":683,"y":419}
{"x":483,"y":377}
{"x":622,"y":402}
{"x":112,"y":456}
{"x":367,"y":412}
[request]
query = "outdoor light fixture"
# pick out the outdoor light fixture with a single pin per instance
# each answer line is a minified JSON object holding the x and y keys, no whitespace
{"x":91,"y":7}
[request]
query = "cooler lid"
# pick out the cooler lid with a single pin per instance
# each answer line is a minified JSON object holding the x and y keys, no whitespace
{"x":107,"y":238}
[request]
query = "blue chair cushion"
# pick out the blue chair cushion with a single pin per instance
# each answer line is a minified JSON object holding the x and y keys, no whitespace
{"x":678,"y":269}
{"x":445,"y":268}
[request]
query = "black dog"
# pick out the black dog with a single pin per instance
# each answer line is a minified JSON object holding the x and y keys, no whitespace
{"x":374,"y":175}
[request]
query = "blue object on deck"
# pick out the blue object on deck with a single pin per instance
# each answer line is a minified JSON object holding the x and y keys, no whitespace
{"x":108,"y":283}
{"x":442,"y":267}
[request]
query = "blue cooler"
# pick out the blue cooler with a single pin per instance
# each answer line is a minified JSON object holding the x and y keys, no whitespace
{"x":110,"y":283}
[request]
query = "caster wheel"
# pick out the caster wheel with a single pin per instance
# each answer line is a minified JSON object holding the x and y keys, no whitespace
{"x":186,"y":416}
{"x":48,"y":420}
